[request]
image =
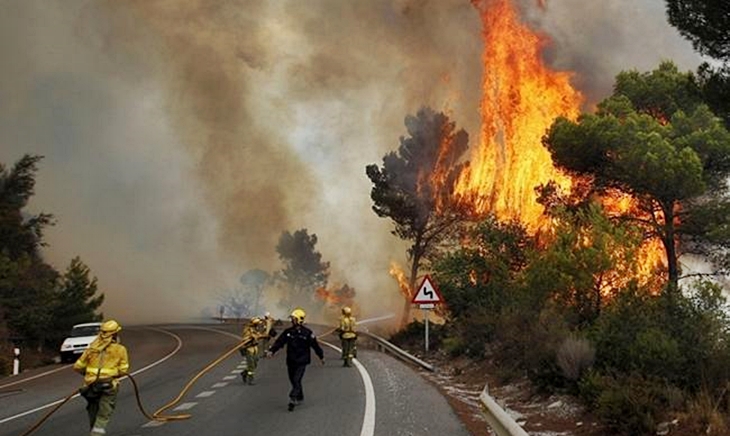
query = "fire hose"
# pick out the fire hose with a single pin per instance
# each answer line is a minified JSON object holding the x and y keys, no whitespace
{"x":157,"y":415}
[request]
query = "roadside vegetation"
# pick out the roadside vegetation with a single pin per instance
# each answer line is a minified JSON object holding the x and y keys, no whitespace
{"x":596,"y":304}
{"x":38,"y":304}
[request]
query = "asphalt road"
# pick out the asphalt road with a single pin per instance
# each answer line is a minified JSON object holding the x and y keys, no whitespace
{"x":379,"y":396}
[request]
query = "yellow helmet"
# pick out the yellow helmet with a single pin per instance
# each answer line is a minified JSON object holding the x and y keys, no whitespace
{"x":110,"y":327}
{"x":346,"y":310}
{"x":298,"y":315}
{"x":255,"y":320}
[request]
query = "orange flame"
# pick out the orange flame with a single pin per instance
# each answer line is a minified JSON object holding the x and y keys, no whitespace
{"x":398,"y":273}
{"x":328,"y":297}
{"x":338,"y":296}
{"x":521,"y":98}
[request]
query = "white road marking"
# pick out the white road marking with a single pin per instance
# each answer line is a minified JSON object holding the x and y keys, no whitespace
{"x":35,"y":376}
{"x":185,"y":406}
{"x":154,"y":424}
{"x":230,"y":377}
{"x":368,"y":421}
{"x":150,"y":366}
{"x":236,"y":371}
{"x":205,"y":394}
{"x":219,"y":385}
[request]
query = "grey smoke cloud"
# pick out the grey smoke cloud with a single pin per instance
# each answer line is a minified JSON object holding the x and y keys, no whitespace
{"x":598,"y":39}
{"x":181,"y":138}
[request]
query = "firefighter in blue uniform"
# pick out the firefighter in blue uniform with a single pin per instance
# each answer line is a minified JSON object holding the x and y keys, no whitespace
{"x":298,"y":340}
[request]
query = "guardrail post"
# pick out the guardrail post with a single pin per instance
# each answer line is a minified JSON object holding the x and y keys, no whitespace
{"x":16,"y":361}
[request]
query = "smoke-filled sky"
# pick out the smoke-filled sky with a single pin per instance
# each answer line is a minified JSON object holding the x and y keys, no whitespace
{"x":181,"y":137}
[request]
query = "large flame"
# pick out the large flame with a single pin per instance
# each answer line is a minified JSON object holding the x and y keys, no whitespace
{"x":521,"y":97}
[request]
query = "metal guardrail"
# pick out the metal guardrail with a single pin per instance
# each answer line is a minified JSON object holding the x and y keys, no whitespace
{"x":500,"y":421}
{"x":383,"y":344}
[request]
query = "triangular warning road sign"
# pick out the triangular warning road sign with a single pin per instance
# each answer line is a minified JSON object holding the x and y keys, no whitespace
{"x":427,"y":293}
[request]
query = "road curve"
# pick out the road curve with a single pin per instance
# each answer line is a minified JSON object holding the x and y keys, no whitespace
{"x":380,"y":396}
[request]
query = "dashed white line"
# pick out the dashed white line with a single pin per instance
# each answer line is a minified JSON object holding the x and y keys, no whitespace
{"x":219,"y":385}
{"x":185,"y":406}
{"x":154,"y":424}
{"x":230,"y":377}
{"x":205,"y":394}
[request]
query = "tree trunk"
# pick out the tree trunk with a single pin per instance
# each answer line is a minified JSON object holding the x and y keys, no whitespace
{"x":415,"y":262}
{"x":670,"y":247}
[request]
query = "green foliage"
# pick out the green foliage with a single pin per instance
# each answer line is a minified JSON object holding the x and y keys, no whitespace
{"x":304,"y":271}
{"x":705,"y":23}
{"x":649,"y":348}
{"x":660,"y":93}
{"x":413,"y":335}
{"x":627,"y":404}
{"x":20,"y":233}
{"x":36,"y":304}
{"x":476,"y":277}
{"x":654,"y":140}
{"x":77,"y":299}
{"x":588,"y":258}
{"x":715,"y":86}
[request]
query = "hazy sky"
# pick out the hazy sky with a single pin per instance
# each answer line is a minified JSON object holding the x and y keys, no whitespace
{"x":181,"y":137}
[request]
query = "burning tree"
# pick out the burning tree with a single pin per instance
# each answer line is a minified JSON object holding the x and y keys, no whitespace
{"x":415,"y":186}
{"x":304,"y":272}
{"x":334,"y":299}
{"x":654,"y":140}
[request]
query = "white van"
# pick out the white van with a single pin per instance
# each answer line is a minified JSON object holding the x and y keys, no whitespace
{"x":79,"y":340}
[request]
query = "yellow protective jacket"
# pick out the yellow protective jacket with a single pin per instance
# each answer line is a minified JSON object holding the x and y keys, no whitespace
{"x":251,"y":337}
{"x":347,"y":327}
{"x":105,"y":363}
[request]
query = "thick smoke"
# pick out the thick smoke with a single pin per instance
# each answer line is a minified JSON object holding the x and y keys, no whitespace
{"x":598,"y":39}
{"x":181,"y":138}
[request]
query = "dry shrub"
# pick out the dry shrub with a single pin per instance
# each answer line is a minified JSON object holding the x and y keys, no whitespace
{"x":704,"y":409}
{"x":575,"y":355}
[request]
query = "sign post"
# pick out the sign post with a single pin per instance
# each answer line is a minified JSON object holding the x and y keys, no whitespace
{"x":16,"y":361}
{"x":427,"y":297}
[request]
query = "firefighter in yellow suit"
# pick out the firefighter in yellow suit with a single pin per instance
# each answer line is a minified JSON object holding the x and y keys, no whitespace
{"x":348,"y":336}
{"x":250,"y":337}
{"x":102,"y":364}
